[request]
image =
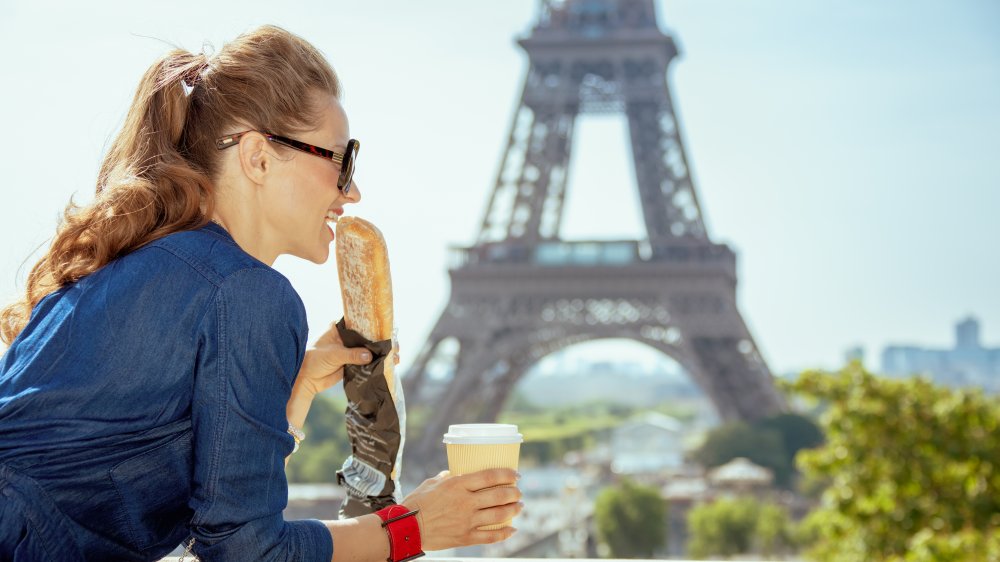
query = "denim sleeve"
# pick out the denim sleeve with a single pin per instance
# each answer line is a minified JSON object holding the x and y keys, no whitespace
{"x":251,"y":344}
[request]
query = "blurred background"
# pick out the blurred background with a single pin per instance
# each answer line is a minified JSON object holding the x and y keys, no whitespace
{"x":846,"y":153}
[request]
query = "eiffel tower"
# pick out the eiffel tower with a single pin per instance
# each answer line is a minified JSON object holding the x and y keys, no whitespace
{"x":521,"y":292}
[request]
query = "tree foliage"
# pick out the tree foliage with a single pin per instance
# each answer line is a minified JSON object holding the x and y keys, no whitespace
{"x":727,"y":527}
{"x":914,"y":470}
{"x":770,"y":442}
{"x":738,"y":439}
{"x":326,"y":445}
{"x":631,"y":520}
{"x":796,"y":431}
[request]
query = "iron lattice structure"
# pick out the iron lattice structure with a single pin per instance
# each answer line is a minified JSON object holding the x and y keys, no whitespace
{"x":521,"y":292}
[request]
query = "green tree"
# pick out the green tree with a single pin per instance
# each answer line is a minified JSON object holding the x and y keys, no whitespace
{"x":631,"y":520}
{"x":797,"y":432}
{"x":771,"y":442}
{"x":775,"y":533}
{"x":738,"y":439}
{"x":913,"y":469}
{"x":738,"y":526}
{"x":721,"y":528}
{"x":326,"y":445}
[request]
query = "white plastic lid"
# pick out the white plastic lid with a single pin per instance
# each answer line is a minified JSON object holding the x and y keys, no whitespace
{"x":482,"y":434}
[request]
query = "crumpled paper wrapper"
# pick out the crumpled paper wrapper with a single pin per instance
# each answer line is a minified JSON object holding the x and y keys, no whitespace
{"x":375,"y":426}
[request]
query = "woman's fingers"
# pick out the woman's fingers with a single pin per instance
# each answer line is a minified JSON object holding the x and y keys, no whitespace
{"x":332,"y":335}
{"x":453,"y":507}
{"x":489,"y":478}
{"x":335,"y":355}
{"x":488,"y":537}
{"x":491,"y":497}
{"x":495,"y":515}
{"x":354,"y":355}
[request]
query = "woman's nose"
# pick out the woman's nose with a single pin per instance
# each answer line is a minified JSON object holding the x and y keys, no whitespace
{"x":354,"y":195}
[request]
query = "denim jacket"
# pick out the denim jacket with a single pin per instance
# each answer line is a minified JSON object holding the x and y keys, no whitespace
{"x":145,"y":404}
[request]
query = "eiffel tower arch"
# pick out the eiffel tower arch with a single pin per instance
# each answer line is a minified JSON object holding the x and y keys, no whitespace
{"x":521,"y":292}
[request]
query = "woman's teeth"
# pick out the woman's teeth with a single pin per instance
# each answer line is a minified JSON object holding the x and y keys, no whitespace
{"x":331,"y":217}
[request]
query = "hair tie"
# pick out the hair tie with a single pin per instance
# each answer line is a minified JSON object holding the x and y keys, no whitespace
{"x":194,"y":76}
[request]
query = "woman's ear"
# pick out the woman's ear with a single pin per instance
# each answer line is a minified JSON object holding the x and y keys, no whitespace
{"x":255,"y":159}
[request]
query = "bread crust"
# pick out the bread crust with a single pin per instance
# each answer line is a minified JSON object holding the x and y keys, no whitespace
{"x":366,"y":284}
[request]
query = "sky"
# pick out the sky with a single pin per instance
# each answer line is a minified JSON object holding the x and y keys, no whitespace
{"x":847,"y":151}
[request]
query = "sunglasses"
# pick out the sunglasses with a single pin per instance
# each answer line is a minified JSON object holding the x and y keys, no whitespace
{"x":345,"y":159}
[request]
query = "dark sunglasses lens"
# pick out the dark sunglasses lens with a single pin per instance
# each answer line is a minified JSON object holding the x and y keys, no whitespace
{"x":347,"y":172}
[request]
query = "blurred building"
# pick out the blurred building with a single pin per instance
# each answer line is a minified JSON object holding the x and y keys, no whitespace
{"x":856,"y":353}
{"x":967,"y":364}
{"x":649,"y":443}
{"x":742,"y":475}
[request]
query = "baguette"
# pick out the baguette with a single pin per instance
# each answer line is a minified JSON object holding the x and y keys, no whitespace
{"x":366,"y":284}
{"x":376,"y":412}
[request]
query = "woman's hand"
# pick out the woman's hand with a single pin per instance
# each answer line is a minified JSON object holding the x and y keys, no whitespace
{"x":324,"y":362}
{"x":322,"y":367}
{"x":452,"y":507}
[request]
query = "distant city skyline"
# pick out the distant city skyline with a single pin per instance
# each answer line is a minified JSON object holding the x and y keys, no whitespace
{"x":846,"y":153}
{"x":968,"y":361}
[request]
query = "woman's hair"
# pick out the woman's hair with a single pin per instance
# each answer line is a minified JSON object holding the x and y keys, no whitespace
{"x":157,"y":177}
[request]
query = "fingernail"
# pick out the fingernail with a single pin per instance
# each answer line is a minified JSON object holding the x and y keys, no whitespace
{"x":365,"y":356}
{"x":518,"y":475}
{"x":520,"y":504}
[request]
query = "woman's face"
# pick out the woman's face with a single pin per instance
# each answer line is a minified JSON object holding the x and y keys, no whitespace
{"x":305,"y":189}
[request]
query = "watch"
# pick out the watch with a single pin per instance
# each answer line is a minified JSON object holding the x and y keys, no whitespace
{"x":401,"y":525}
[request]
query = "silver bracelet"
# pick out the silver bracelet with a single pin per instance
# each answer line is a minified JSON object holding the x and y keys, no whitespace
{"x":297,"y":435}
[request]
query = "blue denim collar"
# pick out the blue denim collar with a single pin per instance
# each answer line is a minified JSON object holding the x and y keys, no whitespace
{"x":229,"y":238}
{"x":219,"y":230}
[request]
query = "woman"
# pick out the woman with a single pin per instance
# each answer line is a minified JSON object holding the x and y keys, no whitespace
{"x":156,"y":373}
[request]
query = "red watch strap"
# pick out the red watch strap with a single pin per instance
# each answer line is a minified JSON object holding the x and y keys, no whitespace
{"x":401,"y":525}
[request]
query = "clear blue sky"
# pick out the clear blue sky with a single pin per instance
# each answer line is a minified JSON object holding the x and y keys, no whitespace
{"x":847,"y":151}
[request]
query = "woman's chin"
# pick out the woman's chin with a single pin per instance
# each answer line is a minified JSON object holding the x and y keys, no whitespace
{"x":318,"y":254}
{"x":320,"y":257}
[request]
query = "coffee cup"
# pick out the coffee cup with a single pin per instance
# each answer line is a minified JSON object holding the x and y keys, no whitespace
{"x":481,"y":446}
